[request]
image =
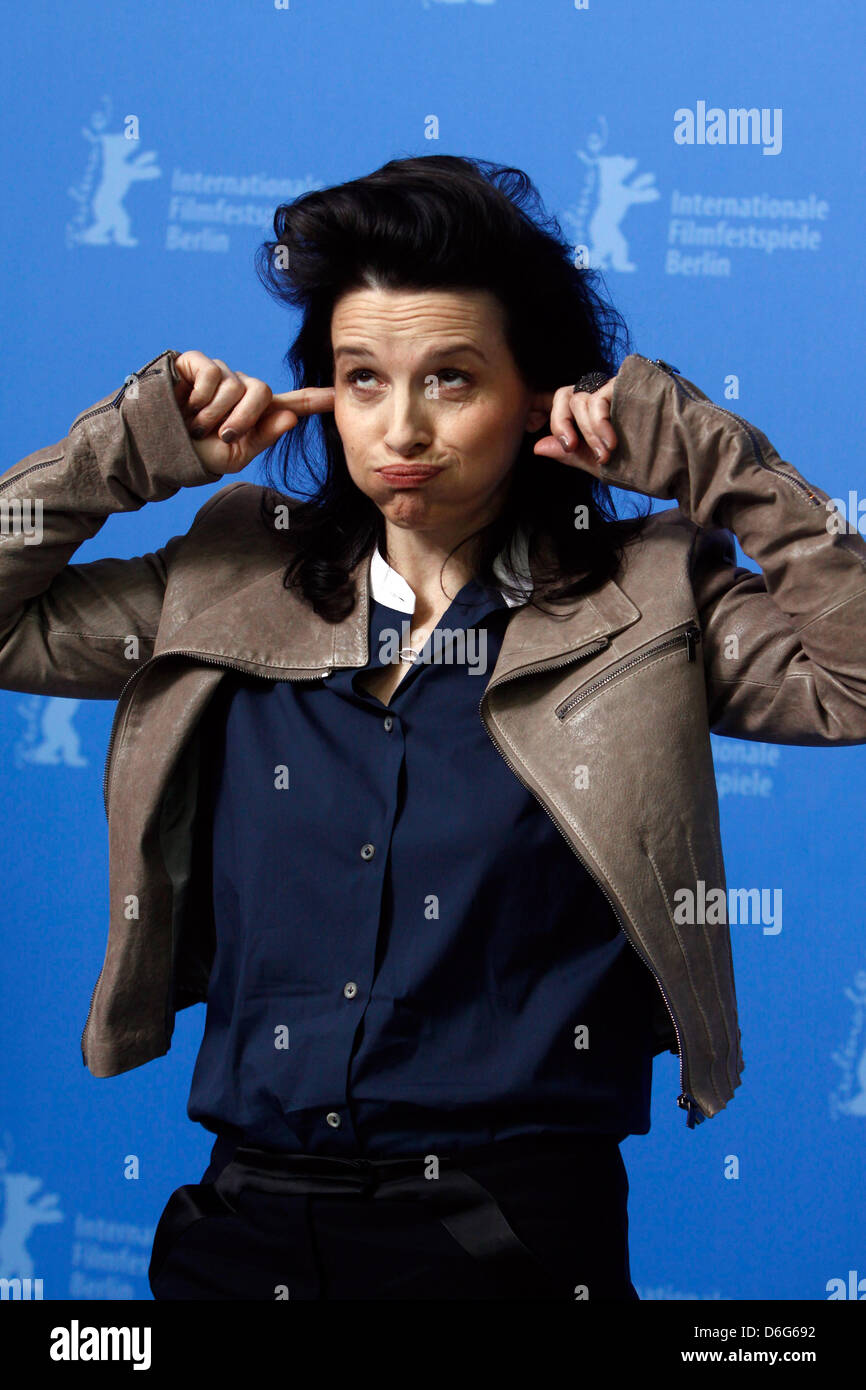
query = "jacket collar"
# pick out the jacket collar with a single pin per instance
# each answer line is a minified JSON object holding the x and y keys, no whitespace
{"x":260,"y":626}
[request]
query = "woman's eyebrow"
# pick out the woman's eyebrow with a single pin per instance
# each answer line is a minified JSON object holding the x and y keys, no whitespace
{"x":450,"y":350}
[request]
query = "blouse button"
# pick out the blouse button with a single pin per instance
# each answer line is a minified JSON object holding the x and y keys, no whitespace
{"x":367,"y":851}
{"x":333,"y":1119}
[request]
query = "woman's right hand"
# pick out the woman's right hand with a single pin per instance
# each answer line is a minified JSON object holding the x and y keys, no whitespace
{"x":213,"y":399}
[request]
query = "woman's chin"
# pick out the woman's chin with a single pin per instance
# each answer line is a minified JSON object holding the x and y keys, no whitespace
{"x":408,"y":509}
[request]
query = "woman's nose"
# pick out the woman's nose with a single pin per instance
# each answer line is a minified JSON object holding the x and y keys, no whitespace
{"x":408,"y":425}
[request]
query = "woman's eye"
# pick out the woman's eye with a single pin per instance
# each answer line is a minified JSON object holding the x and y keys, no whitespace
{"x":451,"y":371}
{"x":355,"y":376}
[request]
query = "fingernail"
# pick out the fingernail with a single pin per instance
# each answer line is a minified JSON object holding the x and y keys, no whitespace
{"x":229,"y":435}
{"x":563,"y":439}
{"x":600,"y":453}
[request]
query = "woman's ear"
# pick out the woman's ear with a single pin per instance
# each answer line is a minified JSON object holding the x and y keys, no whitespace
{"x":538,"y":415}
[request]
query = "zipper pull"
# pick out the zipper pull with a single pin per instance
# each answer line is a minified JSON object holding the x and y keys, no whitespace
{"x":666,"y":366}
{"x":695,"y":1115}
{"x":692,"y":636}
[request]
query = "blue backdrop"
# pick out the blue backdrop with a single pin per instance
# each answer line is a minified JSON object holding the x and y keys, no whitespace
{"x":146,"y":148}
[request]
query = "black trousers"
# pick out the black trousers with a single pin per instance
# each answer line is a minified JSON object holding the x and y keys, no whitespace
{"x":534,"y":1217}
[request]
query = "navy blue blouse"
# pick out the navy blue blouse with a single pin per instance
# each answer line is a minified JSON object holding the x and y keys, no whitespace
{"x":409,"y":955}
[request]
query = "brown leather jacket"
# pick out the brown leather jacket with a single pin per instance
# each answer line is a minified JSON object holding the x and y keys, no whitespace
{"x":628,"y":684}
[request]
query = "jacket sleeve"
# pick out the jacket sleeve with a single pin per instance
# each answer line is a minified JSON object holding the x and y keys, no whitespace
{"x":784,"y":650}
{"x":65,"y":628}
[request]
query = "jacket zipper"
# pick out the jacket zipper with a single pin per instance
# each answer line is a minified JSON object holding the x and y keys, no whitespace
{"x":34,"y":467}
{"x":690,"y":635}
{"x":113,"y":404}
{"x":795,"y":483}
{"x":685,"y":1100}
{"x":211,"y":660}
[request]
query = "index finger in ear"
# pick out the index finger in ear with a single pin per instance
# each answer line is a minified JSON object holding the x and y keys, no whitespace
{"x":308,"y":400}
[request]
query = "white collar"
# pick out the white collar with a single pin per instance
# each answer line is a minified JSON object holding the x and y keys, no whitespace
{"x":390,"y":588}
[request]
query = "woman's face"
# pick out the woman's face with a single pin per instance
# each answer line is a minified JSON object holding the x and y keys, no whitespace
{"x":425,"y":378}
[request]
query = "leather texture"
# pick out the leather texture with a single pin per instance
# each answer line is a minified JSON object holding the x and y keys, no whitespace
{"x":626,"y":682}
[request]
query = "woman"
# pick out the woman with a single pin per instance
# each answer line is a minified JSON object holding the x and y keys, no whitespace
{"x":432,"y":916}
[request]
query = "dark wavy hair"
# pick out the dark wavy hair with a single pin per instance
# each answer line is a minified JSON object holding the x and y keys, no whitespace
{"x":442,"y":222}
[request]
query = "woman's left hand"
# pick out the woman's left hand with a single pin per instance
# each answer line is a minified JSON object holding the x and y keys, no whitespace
{"x":580,"y":428}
